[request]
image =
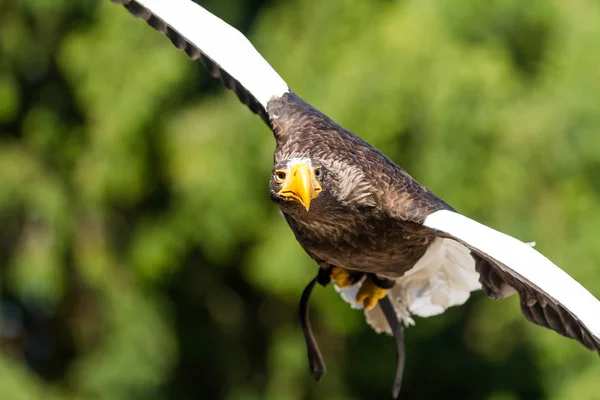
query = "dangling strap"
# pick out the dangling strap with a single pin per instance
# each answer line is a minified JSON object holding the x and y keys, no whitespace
{"x":398,"y":330}
{"x":315,"y":358}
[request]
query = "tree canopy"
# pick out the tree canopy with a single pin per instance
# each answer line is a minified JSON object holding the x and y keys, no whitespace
{"x":140,"y":256}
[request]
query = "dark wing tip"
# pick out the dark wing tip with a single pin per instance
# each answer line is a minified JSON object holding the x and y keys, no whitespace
{"x":535,"y":306}
{"x":195,"y":53}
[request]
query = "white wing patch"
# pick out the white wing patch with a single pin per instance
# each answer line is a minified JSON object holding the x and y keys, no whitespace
{"x":522,"y":262}
{"x":444,"y":277}
{"x":223,"y":44}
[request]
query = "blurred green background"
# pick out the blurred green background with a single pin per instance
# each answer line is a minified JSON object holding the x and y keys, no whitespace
{"x":141,"y":258}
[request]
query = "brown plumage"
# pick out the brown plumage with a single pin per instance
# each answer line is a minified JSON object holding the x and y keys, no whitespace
{"x":368,"y":216}
{"x":350,"y":206}
{"x":378,"y":227}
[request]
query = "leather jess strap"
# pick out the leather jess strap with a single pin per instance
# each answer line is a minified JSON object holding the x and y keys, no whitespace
{"x":316,"y":361}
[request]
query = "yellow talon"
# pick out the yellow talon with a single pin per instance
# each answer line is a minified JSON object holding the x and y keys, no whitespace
{"x":369,"y":294}
{"x":342,"y":277}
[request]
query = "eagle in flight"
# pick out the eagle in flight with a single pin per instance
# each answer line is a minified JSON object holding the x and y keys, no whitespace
{"x":391,"y":246}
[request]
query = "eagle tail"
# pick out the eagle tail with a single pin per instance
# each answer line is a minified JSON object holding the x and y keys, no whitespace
{"x":444,"y":277}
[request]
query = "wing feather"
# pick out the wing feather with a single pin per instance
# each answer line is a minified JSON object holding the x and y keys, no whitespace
{"x":549,"y":296}
{"x":222,"y":49}
{"x":444,"y":277}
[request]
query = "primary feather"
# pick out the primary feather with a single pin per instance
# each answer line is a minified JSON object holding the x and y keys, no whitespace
{"x":225,"y":51}
{"x":534,"y":273}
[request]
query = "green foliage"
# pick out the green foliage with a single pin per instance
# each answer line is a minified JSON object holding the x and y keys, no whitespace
{"x":140,"y":256}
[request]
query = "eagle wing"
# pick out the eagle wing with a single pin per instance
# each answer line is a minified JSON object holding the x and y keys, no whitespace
{"x":223,"y":50}
{"x":548,"y":295}
{"x":468,"y":256}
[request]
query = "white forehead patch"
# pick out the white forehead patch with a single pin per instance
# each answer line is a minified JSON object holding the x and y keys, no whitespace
{"x":297,"y":160}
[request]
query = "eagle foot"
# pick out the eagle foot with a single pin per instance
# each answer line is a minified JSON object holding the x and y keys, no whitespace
{"x":344,"y":278}
{"x":370,"y":293}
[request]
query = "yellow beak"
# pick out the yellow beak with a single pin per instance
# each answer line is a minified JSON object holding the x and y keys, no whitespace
{"x":300,"y":185}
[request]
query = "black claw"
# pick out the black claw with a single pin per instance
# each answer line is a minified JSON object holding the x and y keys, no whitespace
{"x":315,"y":358}
{"x":398,"y":330}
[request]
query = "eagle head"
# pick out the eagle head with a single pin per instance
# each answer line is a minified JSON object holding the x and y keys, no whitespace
{"x":296,"y":182}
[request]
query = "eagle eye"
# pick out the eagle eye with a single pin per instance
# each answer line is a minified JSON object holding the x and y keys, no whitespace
{"x":318,"y":173}
{"x":280,"y":176}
